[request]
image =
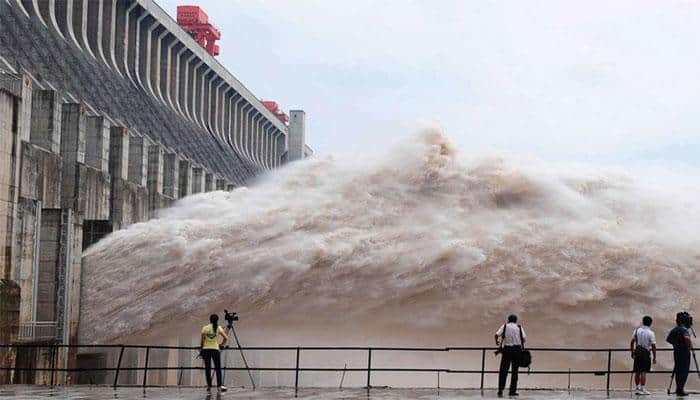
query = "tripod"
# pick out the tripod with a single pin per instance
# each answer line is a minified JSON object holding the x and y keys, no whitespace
{"x":695,"y":360}
{"x":231,"y":330}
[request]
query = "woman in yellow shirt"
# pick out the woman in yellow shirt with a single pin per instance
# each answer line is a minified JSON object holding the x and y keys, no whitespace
{"x":210,"y":350}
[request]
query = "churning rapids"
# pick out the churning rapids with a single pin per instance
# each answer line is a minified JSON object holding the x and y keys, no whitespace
{"x":418,"y":247}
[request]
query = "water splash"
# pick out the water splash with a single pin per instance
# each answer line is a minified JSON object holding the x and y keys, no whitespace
{"x":418,"y":247}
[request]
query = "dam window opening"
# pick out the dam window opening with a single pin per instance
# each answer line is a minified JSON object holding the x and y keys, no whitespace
{"x":94,"y":231}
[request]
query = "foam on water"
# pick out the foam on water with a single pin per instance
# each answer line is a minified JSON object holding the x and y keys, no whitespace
{"x":419,"y":247}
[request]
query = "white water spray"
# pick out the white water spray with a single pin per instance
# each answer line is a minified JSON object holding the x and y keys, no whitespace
{"x":419,"y":247}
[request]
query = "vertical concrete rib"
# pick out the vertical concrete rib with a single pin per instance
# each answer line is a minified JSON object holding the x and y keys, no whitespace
{"x":84,"y":23}
{"x":236,"y":121}
{"x":215,"y":112}
{"x":167,"y":70}
{"x":143,"y":57}
{"x":95,"y":28}
{"x":174,"y":87}
{"x":194,"y":80}
{"x":205,"y":89}
{"x":52,"y":16}
{"x":266,"y":144}
{"x":21,"y":7}
{"x":225,"y":116}
{"x":160,"y":66}
{"x":152,"y":55}
{"x":110,"y":14}
{"x":245,"y":124}
{"x":37,"y":12}
{"x":67,"y":20}
{"x":252,"y":134}
{"x":183,"y":95}
{"x":129,"y":41}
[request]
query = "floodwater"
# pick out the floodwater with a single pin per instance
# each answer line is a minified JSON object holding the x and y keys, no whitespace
{"x":102,"y":392}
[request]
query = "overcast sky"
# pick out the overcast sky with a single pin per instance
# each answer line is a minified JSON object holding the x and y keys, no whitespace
{"x":600,"y":82}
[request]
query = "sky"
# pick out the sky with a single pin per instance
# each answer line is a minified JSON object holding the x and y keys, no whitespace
{"x":587,"y":82}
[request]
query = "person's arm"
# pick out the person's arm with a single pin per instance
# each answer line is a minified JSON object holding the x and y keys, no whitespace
{"x":653,"y":351}
{"x":633,"y":343}
{"x":688,"y":342}
{"x":499,"y":332}
{"x":524,"y":338}
{"x":201,"y":341}
{"x":223,"y":335}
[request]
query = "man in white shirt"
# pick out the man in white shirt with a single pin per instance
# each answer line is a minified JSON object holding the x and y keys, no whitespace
{"x":642,"y":346}
{"x":510,"y":337}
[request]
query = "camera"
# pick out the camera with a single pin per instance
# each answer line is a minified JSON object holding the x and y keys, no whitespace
{"x":230,"y":317}
{"x":685,"y":319}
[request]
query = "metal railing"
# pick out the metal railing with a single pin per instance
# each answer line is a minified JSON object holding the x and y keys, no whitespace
{"x":37,"y":331}
{"x":605,"y":371}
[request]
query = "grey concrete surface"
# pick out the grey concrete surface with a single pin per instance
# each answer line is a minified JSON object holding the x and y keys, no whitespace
{"x":101,"y":392}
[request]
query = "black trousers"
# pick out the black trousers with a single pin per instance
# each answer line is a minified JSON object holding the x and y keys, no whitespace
{"x":510,"y":357}
{"x":208,"y":355}
{"x":681,"y":366}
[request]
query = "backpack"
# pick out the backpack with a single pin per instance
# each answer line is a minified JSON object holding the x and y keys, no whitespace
{"x":525,"y":359}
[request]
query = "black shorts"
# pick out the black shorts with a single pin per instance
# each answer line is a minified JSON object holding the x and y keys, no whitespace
{"x":642,"y":360}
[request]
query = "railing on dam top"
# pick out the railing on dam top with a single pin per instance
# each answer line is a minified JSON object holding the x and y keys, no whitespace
{"x":604,"y":371}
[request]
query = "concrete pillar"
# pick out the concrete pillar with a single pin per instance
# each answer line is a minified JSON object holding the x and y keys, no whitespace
{"x":119,"y":152}
{"x":45,"y":130}
{"x":138,"y":160}
{"x":97,"y":143}
{"x":73,"y":127}
{"x":155,"y":177}
{"x":220,"y":183}
{"x":197,"y":179}
{"x":155,"y":169}
{"x":185,"y":178}
{"x":297,"y":139}
{"x":171,"y":175}
{"x":208,"y":182}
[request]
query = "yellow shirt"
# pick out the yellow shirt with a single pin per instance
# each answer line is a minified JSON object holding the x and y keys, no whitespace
{"x":210,"y":341}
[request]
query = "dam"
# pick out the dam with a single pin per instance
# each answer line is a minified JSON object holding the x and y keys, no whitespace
{"x":109,"y":112}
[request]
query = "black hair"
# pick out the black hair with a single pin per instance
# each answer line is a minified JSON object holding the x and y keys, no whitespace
{"x":647,"y":320}
{"x":214,"y":319}
{"x":513,"y":318}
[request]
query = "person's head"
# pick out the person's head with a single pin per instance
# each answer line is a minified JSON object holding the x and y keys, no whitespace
{"x":214,"y":319}
{"x":646,"y":321}
{"x":513,"y":318}
{"x":684,"y":319}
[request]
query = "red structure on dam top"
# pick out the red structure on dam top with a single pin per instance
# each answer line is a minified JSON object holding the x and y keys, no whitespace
{"x":196,"y":22}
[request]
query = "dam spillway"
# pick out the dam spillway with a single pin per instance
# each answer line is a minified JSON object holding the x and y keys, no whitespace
{"x":109,"y":112}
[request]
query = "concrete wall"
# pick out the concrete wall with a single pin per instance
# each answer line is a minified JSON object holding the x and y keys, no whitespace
{"x":64,"y":168}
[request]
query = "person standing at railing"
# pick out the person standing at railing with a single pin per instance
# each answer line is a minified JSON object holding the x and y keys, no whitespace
{"x":210,"y":350}
{"x":679,"y":338}
{"x":510,"y":338}
{"x":643,"y":346}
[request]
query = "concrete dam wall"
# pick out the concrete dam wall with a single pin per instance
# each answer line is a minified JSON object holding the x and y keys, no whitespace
{"x":108,"y":112}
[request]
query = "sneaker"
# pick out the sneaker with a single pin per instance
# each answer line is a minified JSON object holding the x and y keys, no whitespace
{"x":222,"y":388}
{"x":639,"y":392}
{"x":513,"y":394}
{"x":500,"y":394}
{"x":208,"y":389}
{"x":681,"y":394}
{"x":645,"y":391}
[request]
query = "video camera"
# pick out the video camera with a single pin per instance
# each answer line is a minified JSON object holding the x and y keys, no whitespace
{"x":230,"y":317}
{"x":685,"y":319}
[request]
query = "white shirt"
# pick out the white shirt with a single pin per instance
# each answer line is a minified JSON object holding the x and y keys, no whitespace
{"x":512,"y":337}
{"x":645,"y":337}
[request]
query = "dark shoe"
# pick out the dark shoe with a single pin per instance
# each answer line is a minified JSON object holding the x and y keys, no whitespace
{"x":513,"y":394}
{"x":681,"y":394}
{"x":500,"y":394}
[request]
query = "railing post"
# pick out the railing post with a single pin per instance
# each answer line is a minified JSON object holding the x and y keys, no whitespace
{"x":145,"y":367}
{"x":119,"y":365}
{"x":607,"y":386}
{"x":53,"y":363}
{"x":369,"y":369}
{"x":483,"y":365}
{"x":296,"y":376}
